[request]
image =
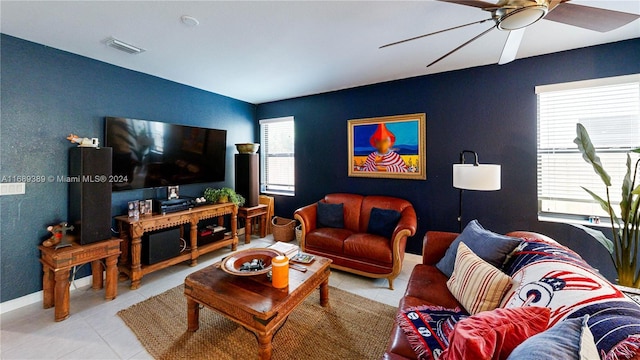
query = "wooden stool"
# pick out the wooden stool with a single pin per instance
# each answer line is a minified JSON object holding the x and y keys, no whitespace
{"x":248,"y":213}
{"x":57,"y":264}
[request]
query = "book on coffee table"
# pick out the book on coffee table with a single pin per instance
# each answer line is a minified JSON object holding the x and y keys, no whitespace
{"x":303,"y":258}
{"x":289,"y":250}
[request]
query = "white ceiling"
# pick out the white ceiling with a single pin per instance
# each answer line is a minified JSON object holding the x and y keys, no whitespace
{"x":261,"y":51}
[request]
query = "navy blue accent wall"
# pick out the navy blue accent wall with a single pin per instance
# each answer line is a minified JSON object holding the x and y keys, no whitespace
{"x":489,"y":109}
{"x":47,"y":94}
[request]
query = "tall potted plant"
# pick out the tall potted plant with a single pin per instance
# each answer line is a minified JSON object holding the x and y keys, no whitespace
{"x":626,"y":226}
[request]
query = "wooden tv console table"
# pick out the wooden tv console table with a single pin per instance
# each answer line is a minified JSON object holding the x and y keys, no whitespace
{"x":131,"y":231}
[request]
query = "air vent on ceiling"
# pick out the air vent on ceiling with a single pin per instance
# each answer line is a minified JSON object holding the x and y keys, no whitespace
{"x":123,"y":46}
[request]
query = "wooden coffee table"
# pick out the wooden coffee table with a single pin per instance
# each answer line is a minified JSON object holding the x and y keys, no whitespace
{"x":251,"y":301}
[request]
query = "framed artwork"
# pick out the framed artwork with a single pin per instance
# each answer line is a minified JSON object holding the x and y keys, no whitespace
{"x":388,"y":147}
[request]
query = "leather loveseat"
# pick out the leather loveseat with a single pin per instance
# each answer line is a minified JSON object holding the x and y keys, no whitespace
{"x":428,"y":287}
{"x":351,"y":248}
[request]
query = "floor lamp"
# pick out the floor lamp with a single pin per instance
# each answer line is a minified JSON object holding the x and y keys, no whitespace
{"x":476,"y":176}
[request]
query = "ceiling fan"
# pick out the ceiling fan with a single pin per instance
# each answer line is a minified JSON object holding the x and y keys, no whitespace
{"x":514,"y":16}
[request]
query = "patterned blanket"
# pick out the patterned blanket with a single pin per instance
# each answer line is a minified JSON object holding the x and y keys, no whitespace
{"x":428,"y":328}
{"x":549,"y":275}
{"x":553,"y":276}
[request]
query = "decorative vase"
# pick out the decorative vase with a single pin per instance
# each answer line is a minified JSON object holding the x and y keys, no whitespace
{"x":280,"y":272}
{"x":223,"y":199}
{"x":248,"y":148}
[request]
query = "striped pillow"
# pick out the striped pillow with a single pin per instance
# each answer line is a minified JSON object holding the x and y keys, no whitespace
{"x":476,"y":284}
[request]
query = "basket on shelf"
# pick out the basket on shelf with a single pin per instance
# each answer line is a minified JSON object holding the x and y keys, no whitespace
{"x":283,"y":229}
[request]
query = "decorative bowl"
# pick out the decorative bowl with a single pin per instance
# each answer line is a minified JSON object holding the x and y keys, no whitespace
{"x":233,"y":263}
{"x":248,"y":148}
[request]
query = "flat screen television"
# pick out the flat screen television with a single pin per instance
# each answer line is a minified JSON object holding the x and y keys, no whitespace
{"x":149,"y":154}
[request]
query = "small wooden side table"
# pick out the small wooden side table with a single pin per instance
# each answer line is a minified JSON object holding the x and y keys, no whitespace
{"x":248,"y":213}
{"x":57,"y":264}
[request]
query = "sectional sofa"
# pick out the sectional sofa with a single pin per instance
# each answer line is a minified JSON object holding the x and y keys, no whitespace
{"x":554,"y":286}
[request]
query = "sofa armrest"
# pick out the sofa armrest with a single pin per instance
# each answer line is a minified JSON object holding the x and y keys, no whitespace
{"x":407,"y":224}
{"x":307,"y":217}
{"x":435,"y":246}
{"x":405,"y":228}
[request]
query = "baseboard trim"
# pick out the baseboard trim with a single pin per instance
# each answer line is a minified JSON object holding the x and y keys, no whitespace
{"x":36,"y":297}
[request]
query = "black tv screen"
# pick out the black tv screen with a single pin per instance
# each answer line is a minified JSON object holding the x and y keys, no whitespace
{"x":150,"y":154}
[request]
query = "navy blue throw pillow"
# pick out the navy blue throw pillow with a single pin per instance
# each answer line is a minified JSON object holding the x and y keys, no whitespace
{"x":489,"y":246}
{"x":330,"y":215}
{"x":383,"y":222}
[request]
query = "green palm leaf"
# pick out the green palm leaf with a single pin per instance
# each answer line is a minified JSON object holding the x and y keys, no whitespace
{"x":627,"y":196}
{"x":604,"y":205}
{"x":599,"y":236}
{"x":589,"y":153}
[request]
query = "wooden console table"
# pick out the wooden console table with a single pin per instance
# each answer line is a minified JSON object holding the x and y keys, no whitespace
{"x":57,"y":264}
{"x":248,"y":213}
{"x":131,"y":231}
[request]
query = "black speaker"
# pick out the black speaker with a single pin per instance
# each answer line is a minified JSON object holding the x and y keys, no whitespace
{"x":248,"y":178}
{"x":90,"y":193}
{"x":160,"y":245}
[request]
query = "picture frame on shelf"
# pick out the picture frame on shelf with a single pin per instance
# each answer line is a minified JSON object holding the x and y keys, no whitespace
{"x":133,"y":209}
{"x":173,"y":192}
{"x":392,"y":147}
{"x":146,"y":207}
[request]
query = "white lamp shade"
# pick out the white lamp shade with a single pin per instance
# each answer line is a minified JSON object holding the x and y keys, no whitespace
{"x":484,"y":177}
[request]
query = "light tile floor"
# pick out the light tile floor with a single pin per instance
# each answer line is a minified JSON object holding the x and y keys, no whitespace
{"x":94,"y":331}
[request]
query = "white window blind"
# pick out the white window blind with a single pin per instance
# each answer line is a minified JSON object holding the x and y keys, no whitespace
{"x":610,"y":111}
{"x":277,"y":162}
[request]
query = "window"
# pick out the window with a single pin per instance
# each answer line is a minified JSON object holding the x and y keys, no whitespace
{"x":610,"y":111}
{"x":277,"y":162}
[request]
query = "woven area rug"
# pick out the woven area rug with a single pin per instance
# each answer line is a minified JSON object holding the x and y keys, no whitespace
{"x":352,"y":327}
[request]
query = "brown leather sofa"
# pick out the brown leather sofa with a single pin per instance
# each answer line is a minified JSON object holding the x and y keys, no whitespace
{"x":428,"y":286}
{"x":352,"y":249}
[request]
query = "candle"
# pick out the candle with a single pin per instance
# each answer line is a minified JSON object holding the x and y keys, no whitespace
{"x":280,"y":272}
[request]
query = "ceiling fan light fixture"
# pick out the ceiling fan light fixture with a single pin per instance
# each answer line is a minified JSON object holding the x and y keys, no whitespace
{"x":521,"y":17}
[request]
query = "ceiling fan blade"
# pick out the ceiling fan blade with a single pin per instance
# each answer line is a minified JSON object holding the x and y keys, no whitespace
{"x":463,"y":45}
{"x":591,"y":18}
{"x":511,"y":46}
{"x":433,"y":33}
{"x":478,"y":4}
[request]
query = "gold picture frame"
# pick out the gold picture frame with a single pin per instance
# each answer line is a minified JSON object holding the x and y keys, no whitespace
{"x":392,"y":147}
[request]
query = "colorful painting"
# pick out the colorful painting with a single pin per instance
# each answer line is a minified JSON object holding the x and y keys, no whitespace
{"x":388,"y":147}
